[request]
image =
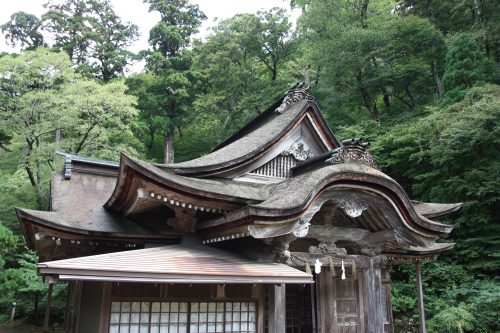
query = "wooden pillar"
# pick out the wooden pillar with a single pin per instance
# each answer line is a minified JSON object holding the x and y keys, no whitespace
{"x":72,"y":316}
{"x":326,"y":305}
{"x":47,"y":309}
{"x":107,"y":288}
{"x":277,"y":309}
{"x":372,"y":288}
{"x":421,"y":314}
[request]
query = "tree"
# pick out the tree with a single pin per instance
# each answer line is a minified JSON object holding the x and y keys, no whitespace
{"x":448,"y":156}
{"x":477,"y":18}
{"x":173,"y":81}
{"x":466,"y":66}
{"x":179,"y":20}
{"x":92,"y":35}
{"x":42,"y":94}
{"x":23,"y":29}
{"x":267,"y":36}
{"x":240,"y":61}
{"x":413,"y":61}
{"x":345,"y":39}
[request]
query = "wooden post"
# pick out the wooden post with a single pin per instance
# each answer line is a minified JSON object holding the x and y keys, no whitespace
{"x":47,"y":309}
{"x":372,"y":288}
{"x":277,"y":309}
{"x":72,"y":316}
{"x":421,"y":314}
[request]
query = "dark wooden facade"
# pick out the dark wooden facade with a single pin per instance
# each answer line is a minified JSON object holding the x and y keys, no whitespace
{"x":282,"y":228}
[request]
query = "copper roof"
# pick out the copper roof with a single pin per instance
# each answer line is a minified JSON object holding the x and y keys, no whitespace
{"x":173,"y":264}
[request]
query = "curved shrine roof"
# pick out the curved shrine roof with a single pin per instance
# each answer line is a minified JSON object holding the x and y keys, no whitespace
{"x":78,"y":198}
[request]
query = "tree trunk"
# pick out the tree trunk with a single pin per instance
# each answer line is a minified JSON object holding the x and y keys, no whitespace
{"x":149,"y":145}
{"x":35,"y":310}
{"x":437,"y":80}
{"x":168,"y":156}
{"x":367,"y":98}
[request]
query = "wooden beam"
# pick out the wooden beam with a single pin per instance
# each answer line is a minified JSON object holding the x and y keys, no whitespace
{"x":328,"y":233}
{"x":47,"y":309}
{"x":325,"y":233}
{"x":421,"y":313}
{"x":277,"y":309}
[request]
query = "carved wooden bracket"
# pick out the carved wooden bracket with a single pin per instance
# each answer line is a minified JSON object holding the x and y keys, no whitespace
{"x":299,"y":150}
{"x":184,"y":220}
{"x":352,"y":205}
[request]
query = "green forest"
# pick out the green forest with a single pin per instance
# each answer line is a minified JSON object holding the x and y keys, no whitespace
{"x":418,"y":79}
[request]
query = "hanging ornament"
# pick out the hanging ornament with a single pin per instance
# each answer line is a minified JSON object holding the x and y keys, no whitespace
{"x":354,"y":269}
{"x":343,"y":271}
{"x":317,"y":266}
{"x":332,"y":268}
{"x":308,"y":268}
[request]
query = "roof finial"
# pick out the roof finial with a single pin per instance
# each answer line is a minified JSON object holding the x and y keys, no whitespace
{"x":296,"y":93}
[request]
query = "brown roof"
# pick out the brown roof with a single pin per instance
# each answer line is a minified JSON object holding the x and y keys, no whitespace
{"x":104,"y":223}
{"x":175,"y":263}
{"x":292,"y":198}
{"x":77,"y":204}
{"x":436,"y":210}
{"x":256,"y":141}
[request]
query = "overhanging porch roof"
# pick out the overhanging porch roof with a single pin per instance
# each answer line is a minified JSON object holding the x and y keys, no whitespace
{"x":173,"y":264}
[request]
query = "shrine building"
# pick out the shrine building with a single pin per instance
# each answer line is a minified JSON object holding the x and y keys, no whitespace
{"x":281,"y":228}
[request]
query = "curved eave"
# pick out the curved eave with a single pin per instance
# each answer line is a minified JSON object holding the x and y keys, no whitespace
{"x":133,"y":171}
{"x":278,"y":208}
{"x":436,"y":210}
{"x":420,"y":252}
{"x":29,"y":218}
{"x":239,"y":153}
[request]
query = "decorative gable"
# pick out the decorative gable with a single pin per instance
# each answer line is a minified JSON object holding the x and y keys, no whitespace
{"x":279,"y":167}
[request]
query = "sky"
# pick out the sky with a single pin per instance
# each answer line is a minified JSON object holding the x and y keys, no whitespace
{"x":136,"y":12}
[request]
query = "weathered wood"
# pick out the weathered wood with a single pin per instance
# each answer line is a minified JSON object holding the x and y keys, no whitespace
{"x":71,"y":324}
{"x":260,"y":308}
{"x":314,"y":315}
{"x":105,"y":307}
{"x":277,"y":309}
{"x":386,"y":280}
{"x":361,"y":302}
{"x":221,"y":291}
{"x":421,"y":313}
{"x":373,"y":310}
{"x":324,"y":258}
{"x":326,"y":233}
{"x":325,"y":301}
{"x":47,"y":309}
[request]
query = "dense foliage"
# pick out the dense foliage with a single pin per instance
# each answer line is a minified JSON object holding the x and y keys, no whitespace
{"x":417,"y":78}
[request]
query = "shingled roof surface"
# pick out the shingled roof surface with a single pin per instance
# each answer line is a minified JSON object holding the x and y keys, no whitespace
{"x":250,"y":144}
{"x":219,"y":186}
{"x":77,"y":203}
{"x":102,"y":222}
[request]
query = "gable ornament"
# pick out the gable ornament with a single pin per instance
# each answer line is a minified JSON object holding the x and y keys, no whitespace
{"x":299,"y":150}
{"x":296,"y":93}
{"x":352,"y":205}
{"x":353,"y":150}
